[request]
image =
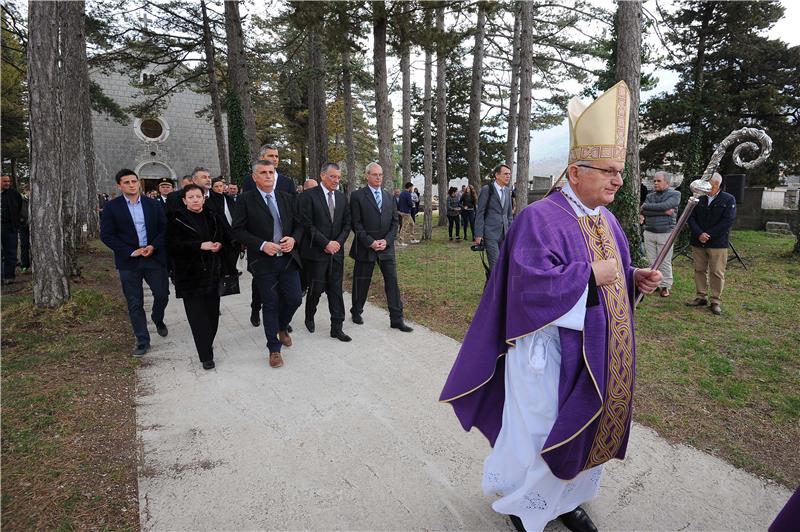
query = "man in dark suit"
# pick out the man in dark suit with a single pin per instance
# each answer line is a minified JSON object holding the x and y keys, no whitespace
{"x":265,"y":222}
{"x":268,"y":152}
{"x":225,"y":207}
{"x":326,"y":222}
{"x":493,"y":214}
{"x":710,"y":224}
{"x":11,"y":211}
{"x":134,"y":227}
{"x":374,"y":218}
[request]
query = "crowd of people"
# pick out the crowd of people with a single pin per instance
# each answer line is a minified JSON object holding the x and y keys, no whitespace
{"x":293,"y":238}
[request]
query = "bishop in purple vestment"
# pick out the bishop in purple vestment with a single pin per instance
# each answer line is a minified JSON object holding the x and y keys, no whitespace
{"x":565,"y":255}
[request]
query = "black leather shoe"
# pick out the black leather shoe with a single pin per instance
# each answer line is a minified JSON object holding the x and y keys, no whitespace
{"x":255,"y":319}
{"x":208,"y":364}
{"x":517,"y":522}
{"x":141,"y":350}
{"x":340,"y":335}
{"x":578,"y":521}
{"x":161,"y":329}
{"x":402,"y":326}
{"x":358,"y":320}
{"x":310,"y":325}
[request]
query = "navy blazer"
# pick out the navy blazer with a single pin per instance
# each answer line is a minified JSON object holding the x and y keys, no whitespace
{"x":253,"y":225}
{"x":118,"y":232}
{"x":715,"y":219}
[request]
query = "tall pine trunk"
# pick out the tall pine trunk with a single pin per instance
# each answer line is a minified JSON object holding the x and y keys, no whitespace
{"x":317,"y":112}
{"x":237,"y":73}
{"x":73,"y":159}
{"x":511,"y":136}
{"x":474,"y":135}
{"x":405,"y":68}
{"x":629,"y":58}
{"x":441,"y":116}
{"x":427,"y":165}
{"x":384,"y":121}
{"x":349,"y":142}
{"x":87,"y":140}
{"x":50,"y":282}
{"x":524,"y":126}
{"x":213,"y":89}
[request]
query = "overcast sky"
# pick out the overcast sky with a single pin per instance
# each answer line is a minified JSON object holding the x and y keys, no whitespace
{"x":549,"y":147}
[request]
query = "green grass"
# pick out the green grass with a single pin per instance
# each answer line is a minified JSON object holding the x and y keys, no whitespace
{"x":68,"y":409}
{"x":726,"y":384}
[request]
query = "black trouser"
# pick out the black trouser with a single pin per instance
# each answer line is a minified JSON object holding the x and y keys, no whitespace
{"x":255,"y":298}
{"x":202,"y":312}
{"x":453,"y":219}
{"x":326,"y":276}
{"x":362,"y":277}
{"x":9,"y":245}
{"x":468,"y":220}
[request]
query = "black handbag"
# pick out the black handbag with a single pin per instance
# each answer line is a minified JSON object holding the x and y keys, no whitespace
{"x":228,"y":285}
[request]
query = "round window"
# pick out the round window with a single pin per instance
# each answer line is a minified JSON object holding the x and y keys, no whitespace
{"x":150,"y":128}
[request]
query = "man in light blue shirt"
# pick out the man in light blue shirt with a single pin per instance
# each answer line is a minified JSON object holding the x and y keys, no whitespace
{"x":134,"y":227}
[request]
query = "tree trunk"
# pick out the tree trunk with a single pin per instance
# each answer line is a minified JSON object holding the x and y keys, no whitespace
{"x":213,"y":88}
{"x":320,"y":109}
{"x":73,"y":167}
{"x":512,"y":101}
{"x":237,"y":72}
{"x":694,"y":166}
{"x":427,"y":166}
{"x":50,"y":282}
{"x":629,"y":57}
{"x":87,"y":139}
{"x":384,"y":121}
{"x":524,"y":127}
{"x":474,"y":135}
{"x":349,"y":142}
{"x":313,"y":156}
{"x":441,"y":117}
{"x":405,"y":68}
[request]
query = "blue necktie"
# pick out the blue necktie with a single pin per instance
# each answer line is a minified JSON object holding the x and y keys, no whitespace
{"x":378,"y":198}
{"x":277,"y":230}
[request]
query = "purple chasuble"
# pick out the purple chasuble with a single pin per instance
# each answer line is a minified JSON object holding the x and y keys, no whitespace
{"x":541,"y":273}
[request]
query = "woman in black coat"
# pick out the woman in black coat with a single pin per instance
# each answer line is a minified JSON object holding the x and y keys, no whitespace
{"x":195,"y":237}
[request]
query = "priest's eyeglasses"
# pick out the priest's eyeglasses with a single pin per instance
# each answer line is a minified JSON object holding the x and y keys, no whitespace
{"x":608,"y":172}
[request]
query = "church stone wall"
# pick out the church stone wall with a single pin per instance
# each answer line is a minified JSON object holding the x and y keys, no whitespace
{"x":190,"y":142}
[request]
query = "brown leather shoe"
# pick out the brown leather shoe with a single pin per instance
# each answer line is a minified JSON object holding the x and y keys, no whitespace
{"x":285,"y":339}
{"x":664,"y":292}
{"x":716,"y":309}
{"x":275,"y":360}
{"x":697,"y":302}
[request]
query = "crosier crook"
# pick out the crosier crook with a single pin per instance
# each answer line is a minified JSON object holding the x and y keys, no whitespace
{"x":701,"y":187}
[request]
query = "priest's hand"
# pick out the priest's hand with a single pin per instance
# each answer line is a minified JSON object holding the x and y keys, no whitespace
{"x":605,"y":271}
{"x":646,"y":279}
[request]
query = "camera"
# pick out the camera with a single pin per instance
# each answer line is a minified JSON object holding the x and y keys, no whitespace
{"x":478,"y":247}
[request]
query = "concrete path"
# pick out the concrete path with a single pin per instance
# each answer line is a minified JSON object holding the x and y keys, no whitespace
{"x":351,"y":436}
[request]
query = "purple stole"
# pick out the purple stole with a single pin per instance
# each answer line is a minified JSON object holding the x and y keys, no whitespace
{"x":541,"y":273}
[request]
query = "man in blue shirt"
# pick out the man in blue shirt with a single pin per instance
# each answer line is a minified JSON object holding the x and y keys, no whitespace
{"x":134,"y":227}
{"x":405,"y":206}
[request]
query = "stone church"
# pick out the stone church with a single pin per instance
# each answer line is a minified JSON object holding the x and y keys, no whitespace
{"x":168,"y":145}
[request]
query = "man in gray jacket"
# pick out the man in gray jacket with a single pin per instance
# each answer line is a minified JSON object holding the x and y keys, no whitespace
{"x":493,"y":213}
{"x":660,"y":211}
